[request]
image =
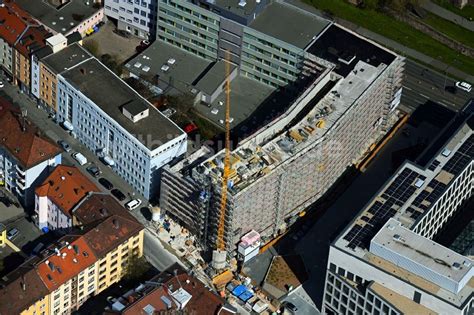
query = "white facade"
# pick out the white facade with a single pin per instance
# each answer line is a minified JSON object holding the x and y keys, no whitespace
{"x":135,"y":162}
{"x":22,"y":182}
{"x":135,"y":16}
{"x":50,"y":215}
{"x":400,"y":269}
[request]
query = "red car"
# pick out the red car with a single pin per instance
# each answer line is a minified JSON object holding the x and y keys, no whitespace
{"x":190,"y":128}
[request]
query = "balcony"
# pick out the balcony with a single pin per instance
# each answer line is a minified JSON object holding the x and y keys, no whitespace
{"x":20,"y":183}
{"x":20,"y":170}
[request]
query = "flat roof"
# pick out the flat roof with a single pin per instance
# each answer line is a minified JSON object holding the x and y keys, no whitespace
{"x":214,"y":77}
{"x":233,"y":6}
{"x":290,"y":24}
{"x":185,"y":70}
{"x":62,"y":18}
{"x":66,"y":58}
{"x":110,"y":93}
{"x":345,"y":48}
{"x":422,"y":252}
{"x":411,"y":192}
{"x":245,"y":97}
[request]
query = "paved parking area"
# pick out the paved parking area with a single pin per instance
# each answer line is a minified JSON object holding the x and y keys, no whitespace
{"x":29,"y":233}
{"x":113,"y":44}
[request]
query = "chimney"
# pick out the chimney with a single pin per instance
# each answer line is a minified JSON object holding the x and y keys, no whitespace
{"x":23,"y":283}
{"x":83,"y":71}
{"x":116,"y":224}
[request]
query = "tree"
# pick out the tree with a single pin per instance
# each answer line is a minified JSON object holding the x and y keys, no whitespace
{"x":111,"y":61}
{"x":136,"y":268}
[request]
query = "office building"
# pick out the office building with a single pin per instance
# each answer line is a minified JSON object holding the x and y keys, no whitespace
{"x":65,"y":16}
{"x":387,"y":262}
{"x":60,"y":192}
{"x":78,"y":266}
{"x":26,"y":156}
{"x":136,"y":17}
{"x":116,"y":123}
{"x":345,"y":104}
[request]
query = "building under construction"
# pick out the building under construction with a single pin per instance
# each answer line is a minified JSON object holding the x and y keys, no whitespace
{"x":287,"y":164}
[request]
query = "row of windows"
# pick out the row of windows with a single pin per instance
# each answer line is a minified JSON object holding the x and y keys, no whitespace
{"x":198,"y":15}
{"x":271,"y":45}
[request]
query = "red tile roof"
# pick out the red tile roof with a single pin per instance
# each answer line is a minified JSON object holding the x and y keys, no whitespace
{"x":56,"y":270}
{"x":66,"y":186}
{"x":98,"y":206}
{"x":202,"y":300}
{"x":22,"y":139}
{"x":19,"y":29}
{"x":22,"y":288}
{"x":110,"y":233}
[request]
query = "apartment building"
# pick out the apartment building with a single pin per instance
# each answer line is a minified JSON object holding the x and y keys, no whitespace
{"x":21,"y":38}
{"x":292,"y":159}
{"x":116,"y":123}
{"x":60,"y":192}
{"x":62,"y":58}
{"x":80,"y":265}
{"x":65,"y":16}
{"x":386,"y":260}
{"x":137,"y":17}
{"x":172,"y":290}
{"x":26,"y":157}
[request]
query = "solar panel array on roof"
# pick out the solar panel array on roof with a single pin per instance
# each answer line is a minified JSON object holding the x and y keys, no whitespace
{"x":397,"y":194}
{"x":461,"y":158}
{"x":434,"y":165}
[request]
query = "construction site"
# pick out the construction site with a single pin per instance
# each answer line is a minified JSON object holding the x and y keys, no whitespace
{"x":275,"y":174}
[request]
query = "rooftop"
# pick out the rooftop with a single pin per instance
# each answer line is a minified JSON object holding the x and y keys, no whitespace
{"x":110,"y":93}
{"x":253,"y":160}
{"x":184,"y":68}
{"x":246,"y":11}
{"x":246,"y":96}
{"x":14,"y":22}
{"x":174,"y":289}
{"x":20,"y":289}
{"x":289,"y":24}
{"x":411,"y":191}
{"x":22,"y":139}
{"x":64,"y":262}
{"x":107,"y":235}
{"x":66,"y":58}
{"x":403,"y":244}
{"x":214,"y":77}
{"x":66,"y":186}
{"x":345,"y":49}
{"x":60,"y":18}
{"x":33,"y":39}
{"x":98,"y":206}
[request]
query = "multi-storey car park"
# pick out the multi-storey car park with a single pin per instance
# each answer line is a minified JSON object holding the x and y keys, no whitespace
{"x":347,"y":89}
{"x":386,"y":260}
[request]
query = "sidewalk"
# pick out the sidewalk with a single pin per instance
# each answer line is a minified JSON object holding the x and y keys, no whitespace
{"x":448,"y":15}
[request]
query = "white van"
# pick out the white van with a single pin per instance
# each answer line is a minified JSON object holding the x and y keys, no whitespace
{"x":81,"y":159}
{"x":133,"y":204}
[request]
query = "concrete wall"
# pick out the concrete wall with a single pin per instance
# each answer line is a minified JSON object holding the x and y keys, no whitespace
{"x":137,"y":18}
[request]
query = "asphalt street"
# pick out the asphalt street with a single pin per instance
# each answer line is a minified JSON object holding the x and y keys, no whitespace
{"x":421,"y":84}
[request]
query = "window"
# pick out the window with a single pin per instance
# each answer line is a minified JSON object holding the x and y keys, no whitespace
{"x":417,"y":297}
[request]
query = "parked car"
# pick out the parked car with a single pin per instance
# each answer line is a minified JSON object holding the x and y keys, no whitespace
{"x":118,"y":194}
{"x":80,"y":158}
{"x":464,"y":86}
{"x":2,"y":84}
{"x":290,"y":306}
{"x":66,"y":147}
{"x":11,"y":234}
{"x":104,"y":182}
{"x":133,"y":204}
{"x":6,"y":201}
{"x":94,"y":170}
